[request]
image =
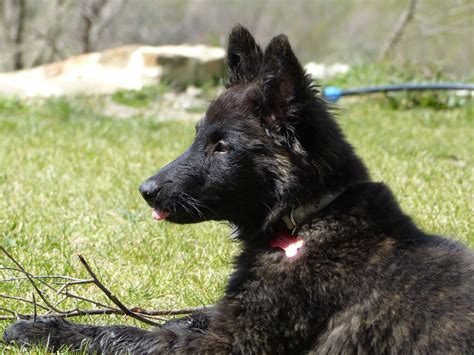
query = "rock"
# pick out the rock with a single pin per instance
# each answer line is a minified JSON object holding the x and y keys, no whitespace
{"x":128,"y":67}
{"x":323,"y":71}
{"x":185,"y":65}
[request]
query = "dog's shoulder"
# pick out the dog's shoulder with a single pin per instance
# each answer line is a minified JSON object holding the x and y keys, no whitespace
{"x":366,"y":221}
{"x":372,"y":205}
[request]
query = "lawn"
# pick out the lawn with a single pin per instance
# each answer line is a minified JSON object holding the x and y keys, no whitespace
{"x":69,"y":184}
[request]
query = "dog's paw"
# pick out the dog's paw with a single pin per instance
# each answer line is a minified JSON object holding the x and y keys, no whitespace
{"x":197,"y":321}
{"x":47,"y":331}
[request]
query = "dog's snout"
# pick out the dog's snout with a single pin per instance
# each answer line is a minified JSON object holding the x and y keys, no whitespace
{"x":149,"y":190}
{"x":166,"y":177}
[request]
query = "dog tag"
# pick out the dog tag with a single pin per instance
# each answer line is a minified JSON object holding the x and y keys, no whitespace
{"x":288,"y":243}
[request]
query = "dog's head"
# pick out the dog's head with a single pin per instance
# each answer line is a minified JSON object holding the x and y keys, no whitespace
{"x":265,"y":144}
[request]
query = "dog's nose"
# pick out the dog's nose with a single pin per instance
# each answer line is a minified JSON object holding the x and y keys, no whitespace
{"x":149,"y":189}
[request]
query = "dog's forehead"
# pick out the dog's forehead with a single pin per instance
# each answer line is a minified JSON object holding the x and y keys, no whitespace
{"x":235,"y":102}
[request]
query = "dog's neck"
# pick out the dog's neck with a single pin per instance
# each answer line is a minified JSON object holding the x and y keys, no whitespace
{"x":289,"y":222}
{"x":299,"y":214}
{"x":288,"y":241}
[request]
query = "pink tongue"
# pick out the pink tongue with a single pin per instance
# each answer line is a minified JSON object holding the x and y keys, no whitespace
{"x":160,"y":215}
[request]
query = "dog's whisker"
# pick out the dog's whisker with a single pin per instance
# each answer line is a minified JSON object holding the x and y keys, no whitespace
{"x":194,"y":203}
{"x":187,"y":204}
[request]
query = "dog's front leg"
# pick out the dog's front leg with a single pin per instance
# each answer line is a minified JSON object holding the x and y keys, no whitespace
{"x":198,"y":321}
{"x":53,"y":332}
{"x":56,"y":333}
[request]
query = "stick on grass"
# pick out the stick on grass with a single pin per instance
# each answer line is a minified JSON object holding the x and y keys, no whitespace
{"x":147,"y":316}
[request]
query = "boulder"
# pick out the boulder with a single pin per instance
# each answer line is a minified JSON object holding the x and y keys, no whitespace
{"x":128,"y":67}
{"x":324,"y":71}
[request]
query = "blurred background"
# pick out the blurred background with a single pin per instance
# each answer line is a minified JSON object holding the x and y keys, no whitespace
{"x":35,"y":32}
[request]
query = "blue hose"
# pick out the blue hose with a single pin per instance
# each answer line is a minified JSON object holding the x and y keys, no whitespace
{"x":333,"y":93}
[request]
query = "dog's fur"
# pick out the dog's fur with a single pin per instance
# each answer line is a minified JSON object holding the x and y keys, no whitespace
{"x":367,"y":280}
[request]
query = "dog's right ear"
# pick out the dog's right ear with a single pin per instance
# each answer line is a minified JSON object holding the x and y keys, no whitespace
{"x":244,"y":56}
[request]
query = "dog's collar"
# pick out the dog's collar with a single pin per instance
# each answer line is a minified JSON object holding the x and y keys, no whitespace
{"x":299,"y":214}
{"x":289,"y":242}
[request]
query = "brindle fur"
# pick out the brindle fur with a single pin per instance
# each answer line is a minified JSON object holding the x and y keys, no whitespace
{"x":367,"y":280}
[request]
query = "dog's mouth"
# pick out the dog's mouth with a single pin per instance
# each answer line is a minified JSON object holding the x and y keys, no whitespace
{"x":180,"y":217}
{"x":160,"y":215}
{"x":179,"y":208}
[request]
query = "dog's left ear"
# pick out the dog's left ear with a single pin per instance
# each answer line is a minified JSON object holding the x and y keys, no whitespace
{"x":283,"y":81}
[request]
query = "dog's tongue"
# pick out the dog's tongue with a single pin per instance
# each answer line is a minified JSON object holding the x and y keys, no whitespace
{"x":160,"y":215}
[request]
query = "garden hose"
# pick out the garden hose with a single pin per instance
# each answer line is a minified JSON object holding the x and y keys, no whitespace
{"x":333,"y":93}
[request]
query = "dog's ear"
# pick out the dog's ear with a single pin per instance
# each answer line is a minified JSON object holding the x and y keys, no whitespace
{"x":244,"y":56}
{"x":286,"y":88}
{"x":283,"y":78}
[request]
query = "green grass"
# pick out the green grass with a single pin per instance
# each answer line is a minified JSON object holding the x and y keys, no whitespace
{"x":69,"y":179}
{"x":139,"y":98}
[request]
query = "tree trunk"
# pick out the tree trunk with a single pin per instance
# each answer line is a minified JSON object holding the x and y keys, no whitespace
{"x":90,"y":14}
{"x":396,"y":34}
{"x":14,"y":15}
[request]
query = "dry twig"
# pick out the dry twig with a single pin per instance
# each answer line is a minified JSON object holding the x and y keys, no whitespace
{"x":40,"y":293}
{"x":112,"y":297}
{"x":34,"y":307}
{"x":63,"y":284}
{"x":23,"y":300}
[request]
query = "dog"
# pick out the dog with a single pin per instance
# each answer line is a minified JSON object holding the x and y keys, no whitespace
{"x":329,"y":263}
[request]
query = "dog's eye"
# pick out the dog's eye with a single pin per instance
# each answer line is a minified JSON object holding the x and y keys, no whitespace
{"x":220,"y":147}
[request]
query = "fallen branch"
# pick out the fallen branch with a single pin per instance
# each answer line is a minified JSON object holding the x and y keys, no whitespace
{"x":40,"y":293}
{"x":41,"y":277}
{"x":170,"y":312}
{"x":34,"y":307}
{"x":112,"y":297}
{"x":23,"y":300}
{"x":63,"y":283}
{"x":77,"y":313}
{"x":95,"y":312}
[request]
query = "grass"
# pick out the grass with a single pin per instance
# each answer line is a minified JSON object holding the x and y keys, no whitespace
{"x":139,"y":98}
{"x":70,"y":175}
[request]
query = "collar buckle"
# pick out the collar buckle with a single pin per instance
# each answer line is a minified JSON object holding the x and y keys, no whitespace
{"x":290,"y":222}
{"x":299,"y":214}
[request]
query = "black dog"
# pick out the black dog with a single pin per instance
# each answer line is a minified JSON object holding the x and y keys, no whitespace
{"x":329,"y":262}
